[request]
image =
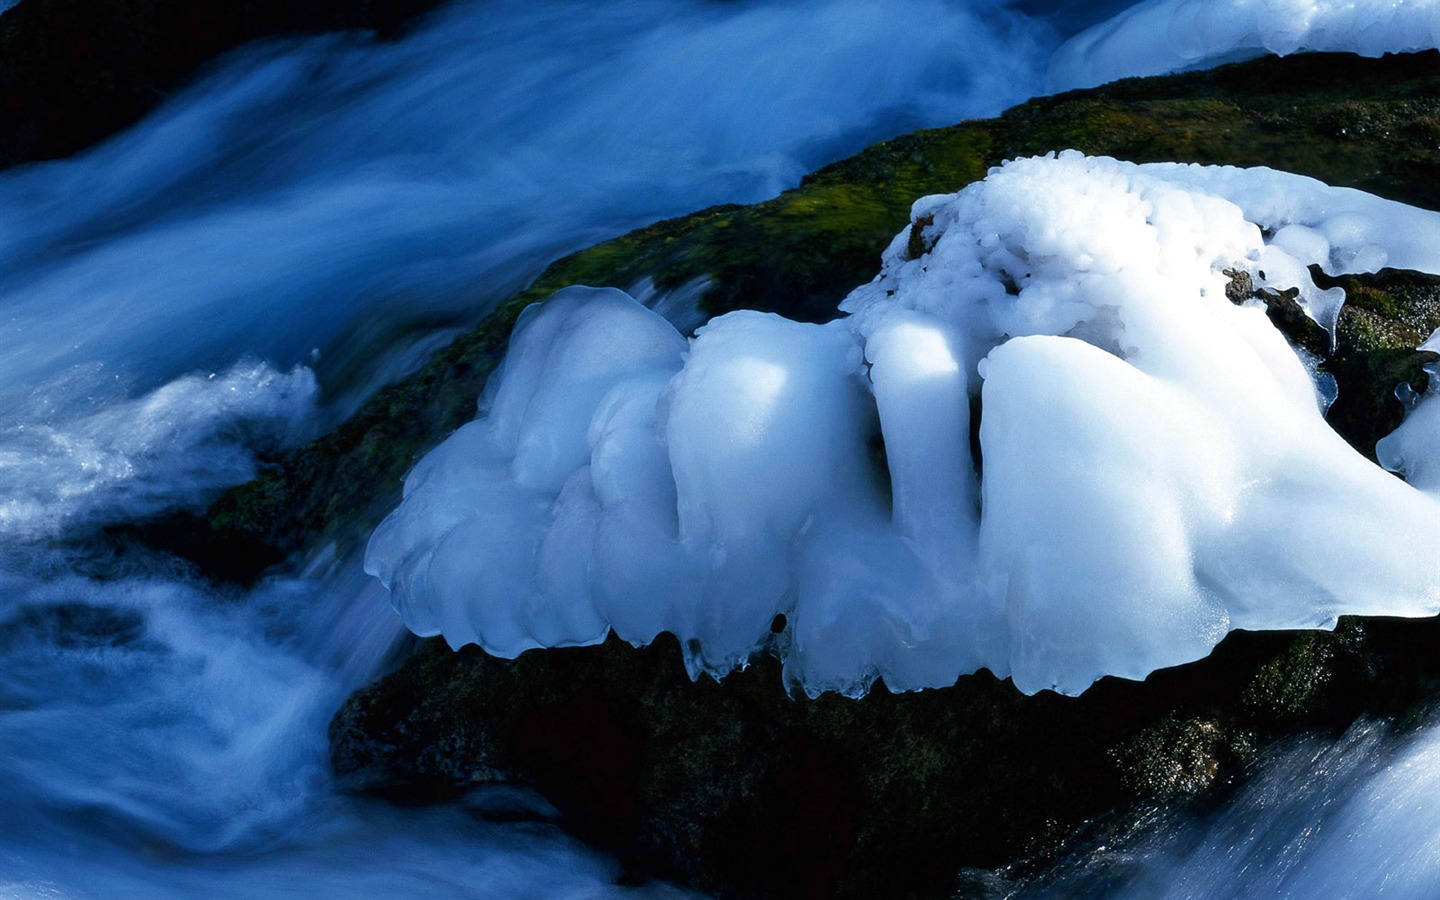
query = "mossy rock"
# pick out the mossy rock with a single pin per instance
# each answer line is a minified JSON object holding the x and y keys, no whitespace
{"x":1385,"y":318}
{"x":800,"y":253}
{"x":741,"y":789}
{"x":1178,"y":758}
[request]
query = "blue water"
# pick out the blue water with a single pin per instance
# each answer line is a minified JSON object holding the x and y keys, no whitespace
{"x":1357,"y":817}
{"x":236,"y":273}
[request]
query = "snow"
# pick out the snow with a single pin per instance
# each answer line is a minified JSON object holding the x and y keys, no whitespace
{"x":1154,"y":468}
{"x":1162,"y":36}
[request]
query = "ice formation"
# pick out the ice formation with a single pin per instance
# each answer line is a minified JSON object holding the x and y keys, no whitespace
{"x":1173,"y":35}
{"x":1154,"y":468}
{"x":1410,"y":449}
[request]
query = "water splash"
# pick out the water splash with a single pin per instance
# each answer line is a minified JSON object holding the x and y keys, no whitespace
{"x":340,"y":191}
{"x":327,"y":211}
{"x":1355,"y":817}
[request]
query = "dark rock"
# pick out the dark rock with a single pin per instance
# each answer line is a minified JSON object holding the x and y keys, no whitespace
{"x":227,"y":558}
{"x":800,"y":253}
{"x":917,"y":246}
{"x":1305,"y":680}
{"x":742,"y":789}
{"x":1176,"y":758}
{"x":1284,"y":311}
{"x":1241,"y":286}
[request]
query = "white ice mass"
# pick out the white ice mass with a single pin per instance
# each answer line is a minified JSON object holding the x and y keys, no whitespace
{"x":1174,"y":35}
{"x":1154,"y":468}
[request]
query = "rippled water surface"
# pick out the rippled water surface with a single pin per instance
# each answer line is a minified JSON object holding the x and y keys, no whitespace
{"x":234,"y":274}
{"x":231,"y":276}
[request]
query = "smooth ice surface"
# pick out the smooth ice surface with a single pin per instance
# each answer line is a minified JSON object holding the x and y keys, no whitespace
{"x":1172,"y":35}
{"x":346,"y":205}
{"x":1156,"y":467}
{"x":367,"y":199}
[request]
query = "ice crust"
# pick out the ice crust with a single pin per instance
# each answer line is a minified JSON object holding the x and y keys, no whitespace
{"x":1173,"y":35}
{"x":1411,"y":448}
{"x":1154,"y":468}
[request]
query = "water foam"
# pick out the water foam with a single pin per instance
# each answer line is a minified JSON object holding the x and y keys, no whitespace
{"x":1160,"y":36}
{"x":122,"y":460}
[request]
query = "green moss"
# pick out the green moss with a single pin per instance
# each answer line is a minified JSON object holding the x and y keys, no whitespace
{"x":1182,"y":757}
{"x":1392,"y":309}
{"x":801,"y":252}
{"x":1295,"y":685}
{"x":1335,"y":117}
{"x":742,"y":788}
{"x":1386,"y":316}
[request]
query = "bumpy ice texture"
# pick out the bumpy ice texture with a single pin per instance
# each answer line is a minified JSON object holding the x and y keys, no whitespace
{"x":1173,"y":35}
{"x":1154,"y":469}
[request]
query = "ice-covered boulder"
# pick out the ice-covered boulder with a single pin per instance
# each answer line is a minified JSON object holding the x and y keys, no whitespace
{"x":1154,"y":469}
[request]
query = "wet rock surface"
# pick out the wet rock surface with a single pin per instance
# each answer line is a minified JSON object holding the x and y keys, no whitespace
{"x":800,"y":253}
{"x":741,"y":789}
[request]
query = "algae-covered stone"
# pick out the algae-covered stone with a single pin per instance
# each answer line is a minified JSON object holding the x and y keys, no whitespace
{"x":740,"y":788}
{"x":1176,"y":758}
{"x":800,"y":253}
{"x":1386,"y":316}
{"x":1299,"y":682}
{"x":737,"y":787}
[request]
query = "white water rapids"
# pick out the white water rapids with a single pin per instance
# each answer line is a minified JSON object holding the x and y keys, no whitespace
{"x":234,"y":274}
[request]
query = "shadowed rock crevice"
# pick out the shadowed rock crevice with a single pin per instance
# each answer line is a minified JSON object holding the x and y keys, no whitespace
{"x":740,"y":789}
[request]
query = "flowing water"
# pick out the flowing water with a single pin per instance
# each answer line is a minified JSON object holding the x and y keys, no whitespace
{"x":236,"y":273}
{"x":1358,"y":817}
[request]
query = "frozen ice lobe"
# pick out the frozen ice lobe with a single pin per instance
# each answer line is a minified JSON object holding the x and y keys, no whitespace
{"x":484,"y":548}
{"x":1162,"y":36}
{"x":1154,"y":469}
{"x":1414,"y":448}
